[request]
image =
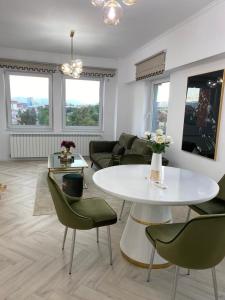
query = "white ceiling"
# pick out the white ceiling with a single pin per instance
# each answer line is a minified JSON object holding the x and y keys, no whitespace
{"x":44,"y":25}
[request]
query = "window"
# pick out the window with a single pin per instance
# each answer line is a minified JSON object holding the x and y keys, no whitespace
{"x":83,"y":104}
{"x":160,"y":105}
{"x":28,"y":100}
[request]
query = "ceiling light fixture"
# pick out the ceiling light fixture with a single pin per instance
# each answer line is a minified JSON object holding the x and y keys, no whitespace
{"x":98,"y":3}
{"x":112,"y":10}
{"x":75,"y":67}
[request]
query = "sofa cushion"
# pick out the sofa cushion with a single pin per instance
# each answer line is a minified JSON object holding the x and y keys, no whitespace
{"x":126,"y":140}
{"x":140,"y":146}
{"x":97,"y":156}
{"x":118,"y":149}
{"x":105,"y":162}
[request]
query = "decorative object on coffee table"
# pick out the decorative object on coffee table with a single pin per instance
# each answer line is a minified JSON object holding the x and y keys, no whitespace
{"x":66,"y":154}
{"x":158,"y":142}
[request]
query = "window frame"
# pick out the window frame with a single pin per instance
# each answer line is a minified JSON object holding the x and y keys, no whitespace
{"x":86,"y":129}
{"x":24,"y":128}
{"x":152,"y":97}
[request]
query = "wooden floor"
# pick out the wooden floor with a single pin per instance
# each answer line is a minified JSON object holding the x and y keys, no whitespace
{"x":32,"y":265}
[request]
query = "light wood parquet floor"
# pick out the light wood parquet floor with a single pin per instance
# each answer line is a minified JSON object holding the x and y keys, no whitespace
{"x":33,"y":267}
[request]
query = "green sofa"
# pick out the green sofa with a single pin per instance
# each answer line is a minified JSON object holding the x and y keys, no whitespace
{"x":104,"y":154}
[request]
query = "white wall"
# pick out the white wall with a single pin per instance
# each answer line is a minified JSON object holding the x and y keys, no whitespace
{"x":199,"y":37}
{"x":176,"y":156}
{"x":109,"y":108}
{"x":192,"y":48}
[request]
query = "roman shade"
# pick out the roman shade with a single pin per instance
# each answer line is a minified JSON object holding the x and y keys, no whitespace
{"x":29,"y":66}
{"x":150,"y":67}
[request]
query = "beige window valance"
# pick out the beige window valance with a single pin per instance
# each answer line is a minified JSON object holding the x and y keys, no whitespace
{"x":98,"y":72}
{"x":19,"y":65}
{"x":150,"y":67}
{"x":28,"y":66}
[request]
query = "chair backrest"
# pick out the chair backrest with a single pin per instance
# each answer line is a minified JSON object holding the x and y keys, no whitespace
{"x":199,"y":245}
{"x":133,"y":159}
{"x":221,"y":184}
{"x":65,"y":214}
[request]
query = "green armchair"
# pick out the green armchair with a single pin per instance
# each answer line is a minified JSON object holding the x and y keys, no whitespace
{"x":197,"y":244}
{"x":82,"y":214}
{"x":214,"y":206}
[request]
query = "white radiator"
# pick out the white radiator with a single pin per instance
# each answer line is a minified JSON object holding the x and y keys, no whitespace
{"x":41,"y":145}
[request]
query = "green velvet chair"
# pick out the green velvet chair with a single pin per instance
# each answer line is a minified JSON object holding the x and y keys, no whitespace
{"x":131,"y":159}
{"x":82,"y":214}
{"x":214,"y":206}
{"x":198,"y":244}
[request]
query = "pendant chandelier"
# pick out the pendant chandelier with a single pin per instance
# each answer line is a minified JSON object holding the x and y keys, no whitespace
{"x":112,"y":9}
{"x":75,"y":67}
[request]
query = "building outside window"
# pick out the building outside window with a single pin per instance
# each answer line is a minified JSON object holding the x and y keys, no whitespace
{"x":29,"y":101}
{"x":160,"y":103}
{"x":83,"y":104}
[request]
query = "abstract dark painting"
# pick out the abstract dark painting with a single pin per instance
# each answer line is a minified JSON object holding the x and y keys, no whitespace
{"x":202,"y":113}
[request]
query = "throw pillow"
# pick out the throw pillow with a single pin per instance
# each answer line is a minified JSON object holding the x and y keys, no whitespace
{"x":118,"y":149}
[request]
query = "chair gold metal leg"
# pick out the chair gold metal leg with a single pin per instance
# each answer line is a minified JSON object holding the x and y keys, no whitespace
{"x":97,"y":231}
{"x":72,"y":250}
{"x":64,"y":238}
{"x":150,"y":264}
{"x":215,"y":283}
{"x":121,"y":212}
{"x":109,"y":244}
{"x":174,"y":288}
{"x":188,"y":214}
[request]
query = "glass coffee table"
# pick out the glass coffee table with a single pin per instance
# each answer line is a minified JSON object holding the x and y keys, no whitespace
{"x":77,"y":165}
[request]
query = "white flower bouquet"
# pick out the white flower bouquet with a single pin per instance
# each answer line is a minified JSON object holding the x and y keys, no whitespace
{"x":158,"y":141}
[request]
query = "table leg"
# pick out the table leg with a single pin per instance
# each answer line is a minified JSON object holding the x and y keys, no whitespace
{"x":85,"y":184}
{"x":134,"y":244}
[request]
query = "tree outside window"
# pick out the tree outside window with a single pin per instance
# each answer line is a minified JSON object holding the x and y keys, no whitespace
{"x":160,"y":106}
{"x":28,"y":100}
{"x":82,"y":103}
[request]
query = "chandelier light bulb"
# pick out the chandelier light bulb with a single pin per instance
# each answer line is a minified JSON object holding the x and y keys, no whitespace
{"x":66,"y":69}
{"x":112,"y":12}
{"x":79,"y":63}
{"x":74,"y":68}
{"x":98,"y":3}
{"x":129,"y":2}
{"x":75,"y":75}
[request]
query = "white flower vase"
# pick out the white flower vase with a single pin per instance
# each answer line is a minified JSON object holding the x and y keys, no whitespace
{"x":156,"y":167}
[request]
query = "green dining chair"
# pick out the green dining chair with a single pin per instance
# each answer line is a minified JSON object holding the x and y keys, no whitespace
{"x":82,"y":214}
{"x":198,"y":244}
{"x":131,"y":159}
{"x":214,"y":206}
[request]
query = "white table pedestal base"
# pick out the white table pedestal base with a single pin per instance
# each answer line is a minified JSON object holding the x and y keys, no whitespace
{"x":134,"y":245}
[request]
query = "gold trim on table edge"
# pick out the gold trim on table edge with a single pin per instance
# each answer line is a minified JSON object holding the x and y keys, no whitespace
{"x":143,"y":265}
{"x":148,"y":223}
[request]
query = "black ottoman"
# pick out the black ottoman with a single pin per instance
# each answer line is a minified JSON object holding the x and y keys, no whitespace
{"x":73,"y":185}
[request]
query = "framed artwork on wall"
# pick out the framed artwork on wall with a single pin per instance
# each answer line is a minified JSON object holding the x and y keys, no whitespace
{"x":202,"y":113}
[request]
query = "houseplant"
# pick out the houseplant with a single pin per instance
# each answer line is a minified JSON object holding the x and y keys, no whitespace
{"x":158,"y":143}
{"x":66,"y":150}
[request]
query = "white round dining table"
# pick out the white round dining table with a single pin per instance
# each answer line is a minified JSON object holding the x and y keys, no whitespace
{"x":151,"y":202}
